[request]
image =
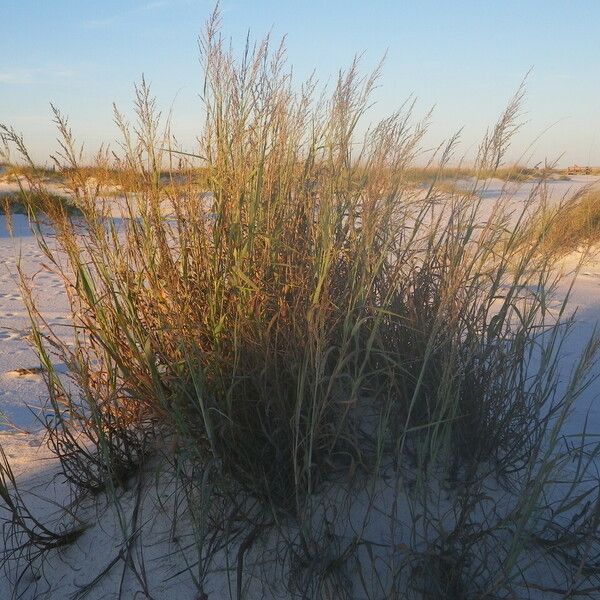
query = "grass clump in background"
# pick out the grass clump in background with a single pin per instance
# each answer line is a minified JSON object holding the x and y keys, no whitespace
{"x":22,"y":203}
{"x":573,"y":224}
{"x":359,"y":386}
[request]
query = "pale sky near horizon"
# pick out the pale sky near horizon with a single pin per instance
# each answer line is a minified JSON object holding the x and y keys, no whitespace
{"x":466,"y":57}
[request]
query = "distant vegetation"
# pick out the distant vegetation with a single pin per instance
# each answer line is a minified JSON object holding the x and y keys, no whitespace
{"x":111,"y":180}
{"x":517,"y":173}
{"x":11,"y":172}
{"x":125,"y":180}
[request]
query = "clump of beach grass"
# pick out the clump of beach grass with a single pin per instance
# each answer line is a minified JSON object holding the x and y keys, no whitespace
{"x":574,"y":224}
{"x":25,"y":202}
{"x":317,"y":338}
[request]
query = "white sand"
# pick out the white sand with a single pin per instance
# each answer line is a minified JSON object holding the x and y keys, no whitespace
{"x":18,"y":392}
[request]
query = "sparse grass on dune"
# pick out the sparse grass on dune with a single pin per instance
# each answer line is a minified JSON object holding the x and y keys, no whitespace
{"x":331,"y":352}
{"x":573,"y":224}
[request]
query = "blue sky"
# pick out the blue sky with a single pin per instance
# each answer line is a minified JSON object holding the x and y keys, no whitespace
{"x":466,"y":57}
